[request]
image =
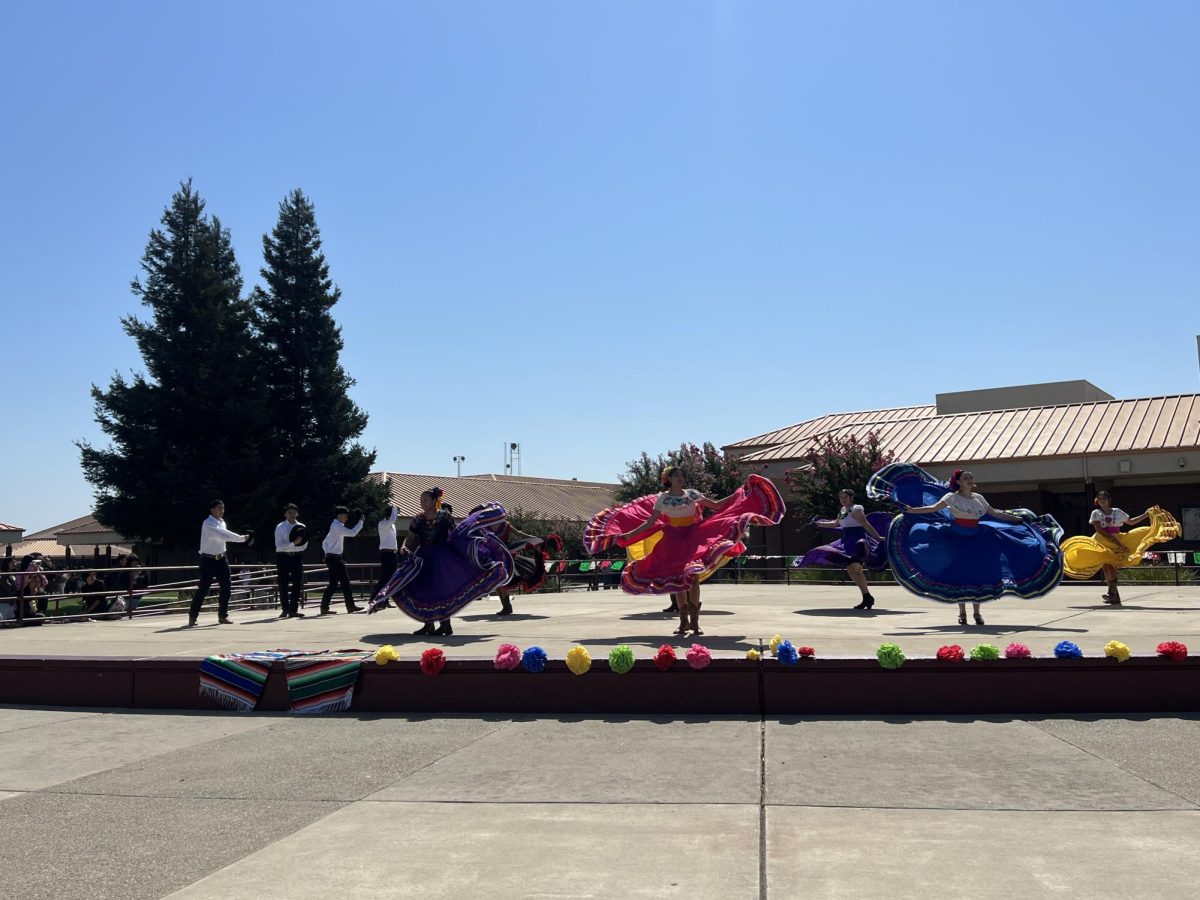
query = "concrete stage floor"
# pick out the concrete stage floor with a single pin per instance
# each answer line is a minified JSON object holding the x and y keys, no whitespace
{"x":734,"y":618}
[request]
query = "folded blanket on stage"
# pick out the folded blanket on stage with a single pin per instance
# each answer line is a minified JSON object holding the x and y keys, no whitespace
{"x":323,"y":682}
{"x":317,"y":681}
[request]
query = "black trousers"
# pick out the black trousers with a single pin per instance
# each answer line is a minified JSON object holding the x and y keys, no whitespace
{"x":289,"y":567}
{"x":209,"y":569}
{"x":387,"y":565}
{"x":337,"y":578}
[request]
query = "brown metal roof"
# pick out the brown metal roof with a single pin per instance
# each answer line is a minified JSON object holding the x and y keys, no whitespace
{"x":918,"y":434}
{"x":6,"y":527}
{"x":56,"y":551}
{"x":65,"y":526}
{"x":551,"y":498}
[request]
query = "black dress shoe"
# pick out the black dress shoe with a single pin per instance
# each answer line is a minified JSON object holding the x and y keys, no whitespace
{"x":427,"y":628}
{"x":224,"y":620}
{"x":328,"y":612}
{"x":445,"y":629}
{"x":297,"y":615}
{"x":354,"y":609}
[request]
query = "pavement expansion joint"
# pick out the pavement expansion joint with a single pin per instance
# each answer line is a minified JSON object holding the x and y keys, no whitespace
{"x":1116,"y":765}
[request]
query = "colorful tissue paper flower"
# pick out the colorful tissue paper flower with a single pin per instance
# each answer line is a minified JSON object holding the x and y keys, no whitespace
{"x":620,"y":659}
{"x":386,"y":654}
{"x":775,"y":642}
{"x":753,"y":655}
{"x":1067,"y":650}
{"x":890,"y":656}
{"x":433,"y":661}
{"x":534,"y":660}
{"x":950,"y":653}
{"x":1172,"y":650}
{"x":698,"y":656}
{"x":579,"y":660}
{"x":807,"y":652}
{"x":508,"y":657}
{"x":1117,"y":651}
{"x":786,"y":654}
{"x":665,"y":657}
{"x":1017,"y":651}
{"x":985,"y":652}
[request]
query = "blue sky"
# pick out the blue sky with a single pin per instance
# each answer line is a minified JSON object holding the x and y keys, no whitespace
{"x":621,"y":224}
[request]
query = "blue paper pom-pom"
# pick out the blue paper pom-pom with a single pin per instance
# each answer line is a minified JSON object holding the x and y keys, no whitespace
{"x":1067,"y":650}
{"x":534,"y":659}
{"x":787,"y":654}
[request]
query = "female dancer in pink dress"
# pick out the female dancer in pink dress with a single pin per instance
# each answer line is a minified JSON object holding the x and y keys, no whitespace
{"x":683,"y":547}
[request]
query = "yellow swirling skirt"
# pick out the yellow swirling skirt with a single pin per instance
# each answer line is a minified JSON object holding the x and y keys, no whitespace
{"x":1084,"y":556}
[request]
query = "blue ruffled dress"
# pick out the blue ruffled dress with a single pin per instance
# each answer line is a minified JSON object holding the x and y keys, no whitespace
{"x":934,"y":557}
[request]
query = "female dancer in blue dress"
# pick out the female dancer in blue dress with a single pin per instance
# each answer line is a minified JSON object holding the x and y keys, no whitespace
{"x":950,"y":545}
{"x":852,"y":549}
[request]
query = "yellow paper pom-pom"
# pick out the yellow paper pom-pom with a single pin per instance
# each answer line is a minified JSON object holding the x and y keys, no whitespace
{"x":1117,"y":650}
{"x":386,"y":654}
{"x":578,"y":660}
{"x":775,"y":642}
{"x":752,"y":654}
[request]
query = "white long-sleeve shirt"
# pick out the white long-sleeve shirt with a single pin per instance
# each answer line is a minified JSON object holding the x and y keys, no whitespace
{"x":387,"y":531}
{"x":338,"y":533}
{"x":214,"y":536}
{"x":283,"y":542}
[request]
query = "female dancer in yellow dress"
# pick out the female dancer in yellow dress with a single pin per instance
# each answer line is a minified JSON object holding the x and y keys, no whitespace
{"x":1110,"y":549}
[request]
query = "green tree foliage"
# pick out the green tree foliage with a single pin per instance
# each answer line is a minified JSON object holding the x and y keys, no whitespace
{"x":536,"y":524}
{"x":707,"y":469}
{"x":313,"y":423}
{"x":193,"y":426}
{"x":835,"y":463}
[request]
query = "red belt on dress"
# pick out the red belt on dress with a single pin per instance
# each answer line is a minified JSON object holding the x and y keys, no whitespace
{"x":967,"y":523}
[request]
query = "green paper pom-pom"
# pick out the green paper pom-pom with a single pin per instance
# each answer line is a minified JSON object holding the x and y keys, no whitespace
{"x":890,"y":656}
{"x":620,"y":659}
{"x":981,"y":652}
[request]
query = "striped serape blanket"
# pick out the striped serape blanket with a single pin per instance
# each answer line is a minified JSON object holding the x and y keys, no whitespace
{"x":317,"y":680}
{"x":323,"y":682}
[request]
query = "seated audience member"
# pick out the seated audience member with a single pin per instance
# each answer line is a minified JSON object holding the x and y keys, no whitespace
{"x":95,"y":601}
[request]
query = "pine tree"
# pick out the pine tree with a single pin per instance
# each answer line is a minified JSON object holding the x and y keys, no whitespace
{"x":191,"y":427}
{"x":313,"y":422}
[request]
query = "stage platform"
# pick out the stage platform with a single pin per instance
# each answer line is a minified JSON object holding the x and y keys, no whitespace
{"x":152,"y":662}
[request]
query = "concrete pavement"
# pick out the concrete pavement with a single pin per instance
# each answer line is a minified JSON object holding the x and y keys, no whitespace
{"x":142,"y":805}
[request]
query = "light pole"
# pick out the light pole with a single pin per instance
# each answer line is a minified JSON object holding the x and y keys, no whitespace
{"x":458,"y":461}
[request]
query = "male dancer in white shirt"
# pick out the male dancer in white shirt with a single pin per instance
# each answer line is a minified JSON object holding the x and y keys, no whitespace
{"x":332,"y":545}
{"x":213,"y":564}
{"x":388,"y":547}
{"x":289,"y":561}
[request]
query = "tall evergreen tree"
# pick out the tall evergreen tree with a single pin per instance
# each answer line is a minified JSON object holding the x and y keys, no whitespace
{"x":192,"y":426}
{"x":313,"y":422}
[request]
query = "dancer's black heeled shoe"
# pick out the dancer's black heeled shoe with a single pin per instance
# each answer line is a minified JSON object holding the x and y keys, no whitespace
{"x":444,"y":629}
{"x":978,"y":619}
{"x":427,"y":628}
{"x":865,"y":604}
{"x":962,"y":618}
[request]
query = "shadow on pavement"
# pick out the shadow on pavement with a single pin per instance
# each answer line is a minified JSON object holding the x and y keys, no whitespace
{"x":848,"y":612}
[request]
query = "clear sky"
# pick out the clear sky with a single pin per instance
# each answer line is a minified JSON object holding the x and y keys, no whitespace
{"x":618,"y":224}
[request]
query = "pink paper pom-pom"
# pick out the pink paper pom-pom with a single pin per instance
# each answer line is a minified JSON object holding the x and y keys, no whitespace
{"x":1017,"y":651}
{"x":698,"y":656}
{"x":507,"y":657}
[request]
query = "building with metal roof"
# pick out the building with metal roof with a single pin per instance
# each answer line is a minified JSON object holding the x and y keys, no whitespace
{"x":1048,"y":447}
